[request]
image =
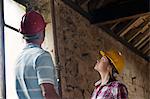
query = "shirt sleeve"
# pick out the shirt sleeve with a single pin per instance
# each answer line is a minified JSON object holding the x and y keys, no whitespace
{"x":45,"y":69}
{"x":122,"y":92}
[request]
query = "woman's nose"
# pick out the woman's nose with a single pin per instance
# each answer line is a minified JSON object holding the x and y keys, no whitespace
{"x":97,"y":61}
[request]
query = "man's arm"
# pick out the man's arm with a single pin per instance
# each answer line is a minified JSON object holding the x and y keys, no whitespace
{"x":48,"y":91}
{"x":46,"y":76}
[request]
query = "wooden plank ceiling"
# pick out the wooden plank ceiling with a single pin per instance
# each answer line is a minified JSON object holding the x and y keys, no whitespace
{"x":126,"y":20}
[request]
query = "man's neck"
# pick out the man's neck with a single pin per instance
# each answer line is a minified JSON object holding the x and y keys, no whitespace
{"x":36,"y":43}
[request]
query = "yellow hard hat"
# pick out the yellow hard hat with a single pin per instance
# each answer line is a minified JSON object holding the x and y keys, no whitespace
{"x":116,"y":58}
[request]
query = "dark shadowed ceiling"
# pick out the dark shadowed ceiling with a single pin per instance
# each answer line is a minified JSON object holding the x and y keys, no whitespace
{"x":128,"y":21}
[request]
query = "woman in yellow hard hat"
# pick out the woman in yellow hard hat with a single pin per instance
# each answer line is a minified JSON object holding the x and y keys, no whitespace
{"x":108,"y":87}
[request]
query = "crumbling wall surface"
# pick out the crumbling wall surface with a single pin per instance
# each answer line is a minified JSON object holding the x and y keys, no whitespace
{"x":78,"y":43}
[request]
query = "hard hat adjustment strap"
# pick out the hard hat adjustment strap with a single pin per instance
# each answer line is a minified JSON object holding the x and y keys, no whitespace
{"x":31,"y":37}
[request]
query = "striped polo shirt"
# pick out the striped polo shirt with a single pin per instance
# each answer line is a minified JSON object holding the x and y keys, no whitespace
{"x":34,"y":67}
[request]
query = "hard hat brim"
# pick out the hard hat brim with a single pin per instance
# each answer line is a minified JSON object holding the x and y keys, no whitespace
{"x":105,"y":54}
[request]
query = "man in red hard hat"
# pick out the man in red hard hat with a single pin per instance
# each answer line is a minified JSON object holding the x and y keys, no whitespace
{"x":35,"y":72}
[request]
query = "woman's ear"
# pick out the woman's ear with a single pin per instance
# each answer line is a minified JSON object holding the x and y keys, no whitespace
{"x":109,"y":68}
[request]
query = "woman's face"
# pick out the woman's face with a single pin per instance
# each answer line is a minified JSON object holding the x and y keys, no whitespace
{"x":102,"y":65}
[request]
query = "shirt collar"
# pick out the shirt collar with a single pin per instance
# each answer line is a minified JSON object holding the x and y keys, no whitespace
{"x":31,"y":45}
{"x":108,"y":81}
{"x":98,"y":82}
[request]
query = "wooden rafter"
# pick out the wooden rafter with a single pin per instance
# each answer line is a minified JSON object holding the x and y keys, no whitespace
{"x":146,"y":49}
{"x":147,"y":52}
{"x":141,"y":29}
{"x":114,"y":25}
{"x":130,"y":26}
{"x":145,"y":39}
{"x":109,"y":16}
{"x":125,"y":43}
{"x":140,"y":39}
{"x":121,"y":19}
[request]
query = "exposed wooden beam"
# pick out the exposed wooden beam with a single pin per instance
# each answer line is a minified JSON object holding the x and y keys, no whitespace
{"x":115,"y":12}
{"x":143,"y":39}
{"x":125,"y":43}
{"x":132,"y":33}
{"x":140,"y":37}
{"x":114,"y":25}
{"x":122,"y":19}
{"x":120,"y":26}
{"x":147,"y":52}
{"x":146,"y":40}
{"x":146,"y":49}
{"x":140,"y":30}
{"x":130,"y":26}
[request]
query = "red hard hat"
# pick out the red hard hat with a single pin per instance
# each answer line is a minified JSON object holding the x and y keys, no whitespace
{"x":32,"y":23}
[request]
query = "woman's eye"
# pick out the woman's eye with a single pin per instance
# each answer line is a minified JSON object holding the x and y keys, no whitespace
{"x":104,"y":59}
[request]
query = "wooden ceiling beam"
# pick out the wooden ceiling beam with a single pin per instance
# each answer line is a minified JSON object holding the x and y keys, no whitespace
{"x":147,"y":52}
{"x":114,"y":25}
{"x":130,"y":26}
{"x":139,"y":38}
{"x":115,"y":14}
{"x":125,"y":43}
{"x":122,"y":19}
{"x":140,"y":30}
{"x":145,"y":41}
{"x":146,"y":49}
{"x":133,"y":33}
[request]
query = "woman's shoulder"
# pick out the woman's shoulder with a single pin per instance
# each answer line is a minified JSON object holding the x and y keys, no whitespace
{"x":119,"y":90}
{"x":117,"y":84}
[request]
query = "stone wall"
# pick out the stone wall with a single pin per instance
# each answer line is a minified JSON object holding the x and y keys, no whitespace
{"x":78,"y":45}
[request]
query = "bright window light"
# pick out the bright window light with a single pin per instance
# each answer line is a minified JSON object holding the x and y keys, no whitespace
{"x":13,"y":13}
